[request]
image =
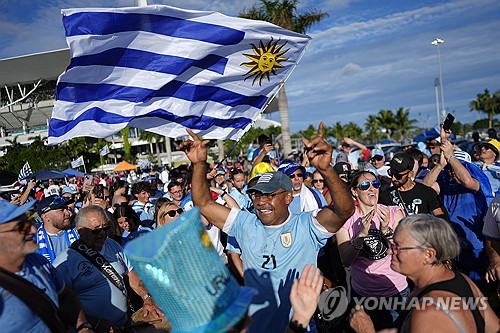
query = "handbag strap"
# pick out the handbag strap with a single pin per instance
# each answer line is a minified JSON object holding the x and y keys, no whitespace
{"x":101,"y":263}
{"x":35,"y":298}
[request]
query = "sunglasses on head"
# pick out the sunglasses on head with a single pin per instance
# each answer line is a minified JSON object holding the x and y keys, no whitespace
{"x":174,"y":212}
{"x":300,"y":175}
{"x":366,"y":184}
{"x":396,"y":175}
{"x":377,"y":158}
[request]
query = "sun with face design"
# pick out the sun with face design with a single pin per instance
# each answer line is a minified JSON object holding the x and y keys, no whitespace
{"x":265,"y":60}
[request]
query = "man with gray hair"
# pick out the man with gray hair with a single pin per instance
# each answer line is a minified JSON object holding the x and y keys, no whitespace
{"x":95,"y":268}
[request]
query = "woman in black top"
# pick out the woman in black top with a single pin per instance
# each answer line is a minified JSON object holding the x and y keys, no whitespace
{"x":422,"y":248}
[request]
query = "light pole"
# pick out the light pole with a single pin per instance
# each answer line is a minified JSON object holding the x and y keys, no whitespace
{"x":436,"y":42}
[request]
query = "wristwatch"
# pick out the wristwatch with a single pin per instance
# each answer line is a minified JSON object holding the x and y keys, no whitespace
{"x":145,"y":297}
{"x":84,"y":325}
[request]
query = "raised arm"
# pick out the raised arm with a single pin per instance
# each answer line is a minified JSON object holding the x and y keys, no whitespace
{"x":196,"y":151}
{"x":460,"y":171}
{"x":319,"y":153}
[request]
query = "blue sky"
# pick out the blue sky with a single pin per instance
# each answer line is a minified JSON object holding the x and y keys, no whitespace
{"x":366,"y":56}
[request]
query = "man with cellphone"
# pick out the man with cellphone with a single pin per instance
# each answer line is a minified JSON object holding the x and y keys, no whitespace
{"x":466,"y":193}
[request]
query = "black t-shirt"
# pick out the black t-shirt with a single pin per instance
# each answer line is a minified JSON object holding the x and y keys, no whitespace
{"x":420,"y":199}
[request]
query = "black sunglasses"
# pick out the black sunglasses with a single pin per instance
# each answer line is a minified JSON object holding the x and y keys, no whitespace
{"x":292,"y":176}
{"x":377,"y":158}
{"x":174,"y":212}
{"x":318,"y":181}
{"x":98,"y":230}
{"x":396,"y":175}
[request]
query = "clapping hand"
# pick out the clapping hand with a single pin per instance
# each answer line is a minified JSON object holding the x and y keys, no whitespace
{"x":304,"y":295}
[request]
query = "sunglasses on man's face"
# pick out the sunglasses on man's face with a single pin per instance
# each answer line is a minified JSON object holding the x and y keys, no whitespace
{"x":366,"y":184}
{"x":174,"y":212}
{"x":293,"y":175}
{"x":377,"y":158}
{"x":98,"y":230}
{"x":396,"y":175}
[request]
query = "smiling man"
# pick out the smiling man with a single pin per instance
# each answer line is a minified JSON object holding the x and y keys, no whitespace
{"x":275,"y":244}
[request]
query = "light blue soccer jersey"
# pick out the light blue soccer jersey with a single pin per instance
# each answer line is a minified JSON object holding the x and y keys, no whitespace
{"x":15,"y":316}
{"x":273,"y":256}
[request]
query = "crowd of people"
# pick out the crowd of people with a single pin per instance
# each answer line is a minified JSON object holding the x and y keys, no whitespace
{"x":422,"y":227}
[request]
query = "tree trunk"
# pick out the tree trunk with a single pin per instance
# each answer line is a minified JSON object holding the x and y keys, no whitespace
{"x":220,"y":145}
{"x":490,"y":119}
{"x":285,"y":121}
{"x":169,"y":150}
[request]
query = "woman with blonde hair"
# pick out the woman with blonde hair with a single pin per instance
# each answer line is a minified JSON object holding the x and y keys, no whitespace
{"x":166,"y":212}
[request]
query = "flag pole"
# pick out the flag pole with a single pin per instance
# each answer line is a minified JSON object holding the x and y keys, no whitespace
{"x":84,"y":168}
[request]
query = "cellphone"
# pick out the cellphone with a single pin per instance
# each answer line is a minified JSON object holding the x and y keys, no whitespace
{"x":448,"y":122}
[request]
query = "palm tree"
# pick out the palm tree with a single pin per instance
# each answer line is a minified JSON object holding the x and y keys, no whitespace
{"x":337,"y":131}
{"x":402,"y":121}
{"x":487,"y":104}
{"x":387,"y":121}
{"x":372,"y":126}
{"x":352,"y":130}
{"x":149,"y":136}
{"x":284,"y":14}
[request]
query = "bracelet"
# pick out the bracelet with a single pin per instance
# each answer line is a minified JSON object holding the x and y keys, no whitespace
{"x":450,"y":158}
{"x":84,"y":325}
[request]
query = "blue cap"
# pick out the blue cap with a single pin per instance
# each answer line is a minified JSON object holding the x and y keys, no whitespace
{"x":9,"y":211}
{"x":289,"y":168}
{"x":186,"y":277}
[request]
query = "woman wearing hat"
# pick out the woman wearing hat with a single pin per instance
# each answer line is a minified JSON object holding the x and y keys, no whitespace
{"x":363,"y":245}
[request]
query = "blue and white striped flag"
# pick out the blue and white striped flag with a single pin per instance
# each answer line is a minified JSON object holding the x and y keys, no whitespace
{"x":25,"y":171}
{"x":163,"y":69}
{"x":104,"y":150}
{"x":78,"y":162}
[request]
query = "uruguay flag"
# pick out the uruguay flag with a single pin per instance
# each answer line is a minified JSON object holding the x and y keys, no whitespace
{"x":163,"y":69}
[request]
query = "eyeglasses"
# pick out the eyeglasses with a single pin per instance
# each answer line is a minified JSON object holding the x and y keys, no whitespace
{"x":293,"y":175}
{"x":318,"y":181}
{"x":377,"y":158}
{"x":98,"y":230}
{"x":366,"y":184}
{"x":396,"y":249}
{"x":176,"y":192}
{"x":432,"y":147}
{"x":266,"y":196}
{"x":174,"y":212}
{"x":396,"y":175}
{"x":23,"y":226}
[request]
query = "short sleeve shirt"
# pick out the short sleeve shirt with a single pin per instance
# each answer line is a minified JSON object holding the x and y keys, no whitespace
{"x":15,"y":315}
{"x":491,"y":228}
{"x":273,"y":256}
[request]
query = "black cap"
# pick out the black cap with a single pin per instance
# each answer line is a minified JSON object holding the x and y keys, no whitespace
{"x":52,"y":202}
{"x":401,"y":162}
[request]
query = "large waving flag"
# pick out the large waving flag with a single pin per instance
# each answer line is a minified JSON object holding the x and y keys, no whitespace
{"x":163,"y":69}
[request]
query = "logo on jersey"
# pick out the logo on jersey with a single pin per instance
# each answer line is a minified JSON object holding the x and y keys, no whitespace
{"x":286,"y":239}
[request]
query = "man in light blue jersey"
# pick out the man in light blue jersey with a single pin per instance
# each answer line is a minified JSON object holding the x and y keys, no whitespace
{"x":275,"y":244}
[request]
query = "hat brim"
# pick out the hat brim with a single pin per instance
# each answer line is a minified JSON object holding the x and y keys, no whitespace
{"x":264,"y":188}
{"x":489,"y":145}
{"x":19,"y":211}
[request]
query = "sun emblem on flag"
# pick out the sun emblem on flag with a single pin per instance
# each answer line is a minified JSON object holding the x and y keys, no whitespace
{"x":265,"y":60}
